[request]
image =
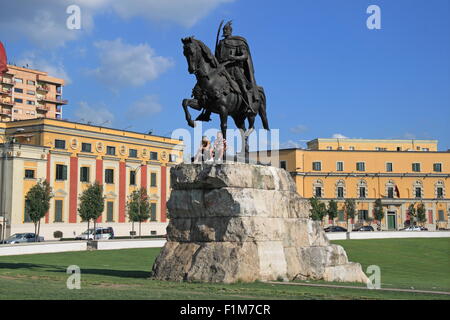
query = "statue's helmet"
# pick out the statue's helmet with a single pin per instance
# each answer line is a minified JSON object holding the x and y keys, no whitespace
{"x":227,"y":29}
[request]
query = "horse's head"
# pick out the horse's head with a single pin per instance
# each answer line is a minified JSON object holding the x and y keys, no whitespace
{"x":197,"y":55}
{"x":192,"y":53}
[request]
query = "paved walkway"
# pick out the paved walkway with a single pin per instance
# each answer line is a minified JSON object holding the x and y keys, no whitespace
{"x":355,"y":287}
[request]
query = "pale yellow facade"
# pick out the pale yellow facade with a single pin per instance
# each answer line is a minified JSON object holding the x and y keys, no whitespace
{"x":399,"y":178}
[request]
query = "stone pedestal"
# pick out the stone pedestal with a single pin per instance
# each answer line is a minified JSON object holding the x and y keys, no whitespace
{"x":240,"y":222}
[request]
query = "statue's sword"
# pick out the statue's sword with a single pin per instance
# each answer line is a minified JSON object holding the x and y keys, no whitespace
{"x":218,"y":35}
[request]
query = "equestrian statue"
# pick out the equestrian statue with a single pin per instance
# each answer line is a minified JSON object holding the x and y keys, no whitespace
{"x":226,"y":83}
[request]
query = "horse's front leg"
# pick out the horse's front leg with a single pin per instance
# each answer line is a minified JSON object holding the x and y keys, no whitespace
{"x":193,"y":103}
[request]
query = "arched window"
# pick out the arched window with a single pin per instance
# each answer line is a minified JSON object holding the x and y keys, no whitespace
{"x":340,"y":189}
{"x":390,"y":189}
{"x":362,"y":189}
{"x":418,"y":189}
{"x":318,"y":190}
{"x":439,"y":189}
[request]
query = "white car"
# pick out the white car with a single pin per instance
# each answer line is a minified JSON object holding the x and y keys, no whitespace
{"x":415,"y":228}
{"x":100,"y":234}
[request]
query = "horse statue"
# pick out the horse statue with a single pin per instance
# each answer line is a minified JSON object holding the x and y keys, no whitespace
{"x":216,"y":92}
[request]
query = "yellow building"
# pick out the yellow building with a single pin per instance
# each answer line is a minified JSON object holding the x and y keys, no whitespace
{"x":72,"y":155}
{"x":399,"y":172}
{"x":28,"y":94}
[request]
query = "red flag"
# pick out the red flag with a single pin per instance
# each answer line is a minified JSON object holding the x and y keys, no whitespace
{"x":3,"y":59}
{"x":397,"y":191}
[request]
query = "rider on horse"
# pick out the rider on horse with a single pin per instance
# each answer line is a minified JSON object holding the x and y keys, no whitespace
{"x":233,"y":54}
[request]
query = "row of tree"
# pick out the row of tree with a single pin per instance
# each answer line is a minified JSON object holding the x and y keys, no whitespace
{"x":320,"y":209}
{"x":91,"y":206}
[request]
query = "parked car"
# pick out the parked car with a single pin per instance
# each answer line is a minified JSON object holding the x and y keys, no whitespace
{"x":414,"y":228}
{"x":23,"y":237}
{"x":364,"y":228}
{"x":100,"y":234}
{"x":335,"y":229}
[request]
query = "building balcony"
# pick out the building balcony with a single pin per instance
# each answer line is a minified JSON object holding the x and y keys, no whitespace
{"x":7,"y":102}
{"x":53,"y":100}
{"x":42,"y":87}
{"x":5,"y":112}
{"x":9,"y":81}
{"x":42,"y":107}
{"x":6,"y":92}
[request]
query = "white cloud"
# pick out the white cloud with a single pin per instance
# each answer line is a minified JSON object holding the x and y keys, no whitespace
{"x":123,"y":64}
{"x":299,"y":129}
{"x":185,"y":13}
{"x":52,"y":65}
{"x":147,"y":106}
{"x":289,"y":144}
{"x":44,"y":21}
{"x":339,"y":136}
{"x":94,"y":115}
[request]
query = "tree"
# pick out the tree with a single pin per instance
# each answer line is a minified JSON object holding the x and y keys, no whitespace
{"x":138,"y":207}
{"x":332,"y":210}
{"x":318,"y":209}
{"x":350,"y":209}
{"x":38,"y":203}
{"x":412,"y":214}
{"x":92,"y":204}
{"x":378,"y":211}
{"x":421,"y":217}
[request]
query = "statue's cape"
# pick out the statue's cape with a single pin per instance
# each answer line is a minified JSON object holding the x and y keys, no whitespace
{"x":248,"y":64}
{"x":3,"y":59}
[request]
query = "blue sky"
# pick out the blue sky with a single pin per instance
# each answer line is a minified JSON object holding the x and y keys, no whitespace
{"x":324,"y":72}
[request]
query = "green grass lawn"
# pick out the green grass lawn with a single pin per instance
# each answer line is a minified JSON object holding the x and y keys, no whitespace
{"x":123,"y":274}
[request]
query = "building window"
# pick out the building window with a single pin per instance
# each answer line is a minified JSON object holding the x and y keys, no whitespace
{"x":329,"y":148}
{"x":416,"y":167}
{"x":153,"y":211}
{"x":389,"y":167}
{"x":109,"y":211}
{"x":318,"y":192}
{"x":18,"y":100}
{"x":31,"y":82}
{"x":132,"y":178}
{"x":341,"y":215}
{"x":363,"y":215}
{"x":111,"y":150}
{"x":283,"y":164}
{"x":31,"y":92}
{"x":437,"y":167}
{"x":109,"y":175}
{"x":18,"y":90}
{"x":390,"y":193}
{"x":439,"y":189}
{"x":26,"y":215}
{"x":340,"y":192}
{"x":132,"y":153}
{"x":153,"y":155}
{"x":18,"y":80}
{"x":84,"y":174}
{"x":360,"y":166}
{"x":172,"y":158}
{"x":441,"y":216}
{"x":351,"y":148}
{"x":29,"y":174}
{"x":153,"y":179}
{"x":61,"y":172}
{"x":60,"y":144}
{"x":31,"y":103}
{"x":339,"y":166}
{"x":418,"y":192}
{"x":86,"y":147}
{"x":58,"y":211}
{"x":362,"y":192}
{"x":340,"y":148}
{"x":317,"y":166}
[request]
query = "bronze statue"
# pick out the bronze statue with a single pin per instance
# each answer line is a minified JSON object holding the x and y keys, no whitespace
{"x":225,"y":83}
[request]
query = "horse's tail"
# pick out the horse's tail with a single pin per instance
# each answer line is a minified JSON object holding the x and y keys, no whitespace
{"x":262,"y":108}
